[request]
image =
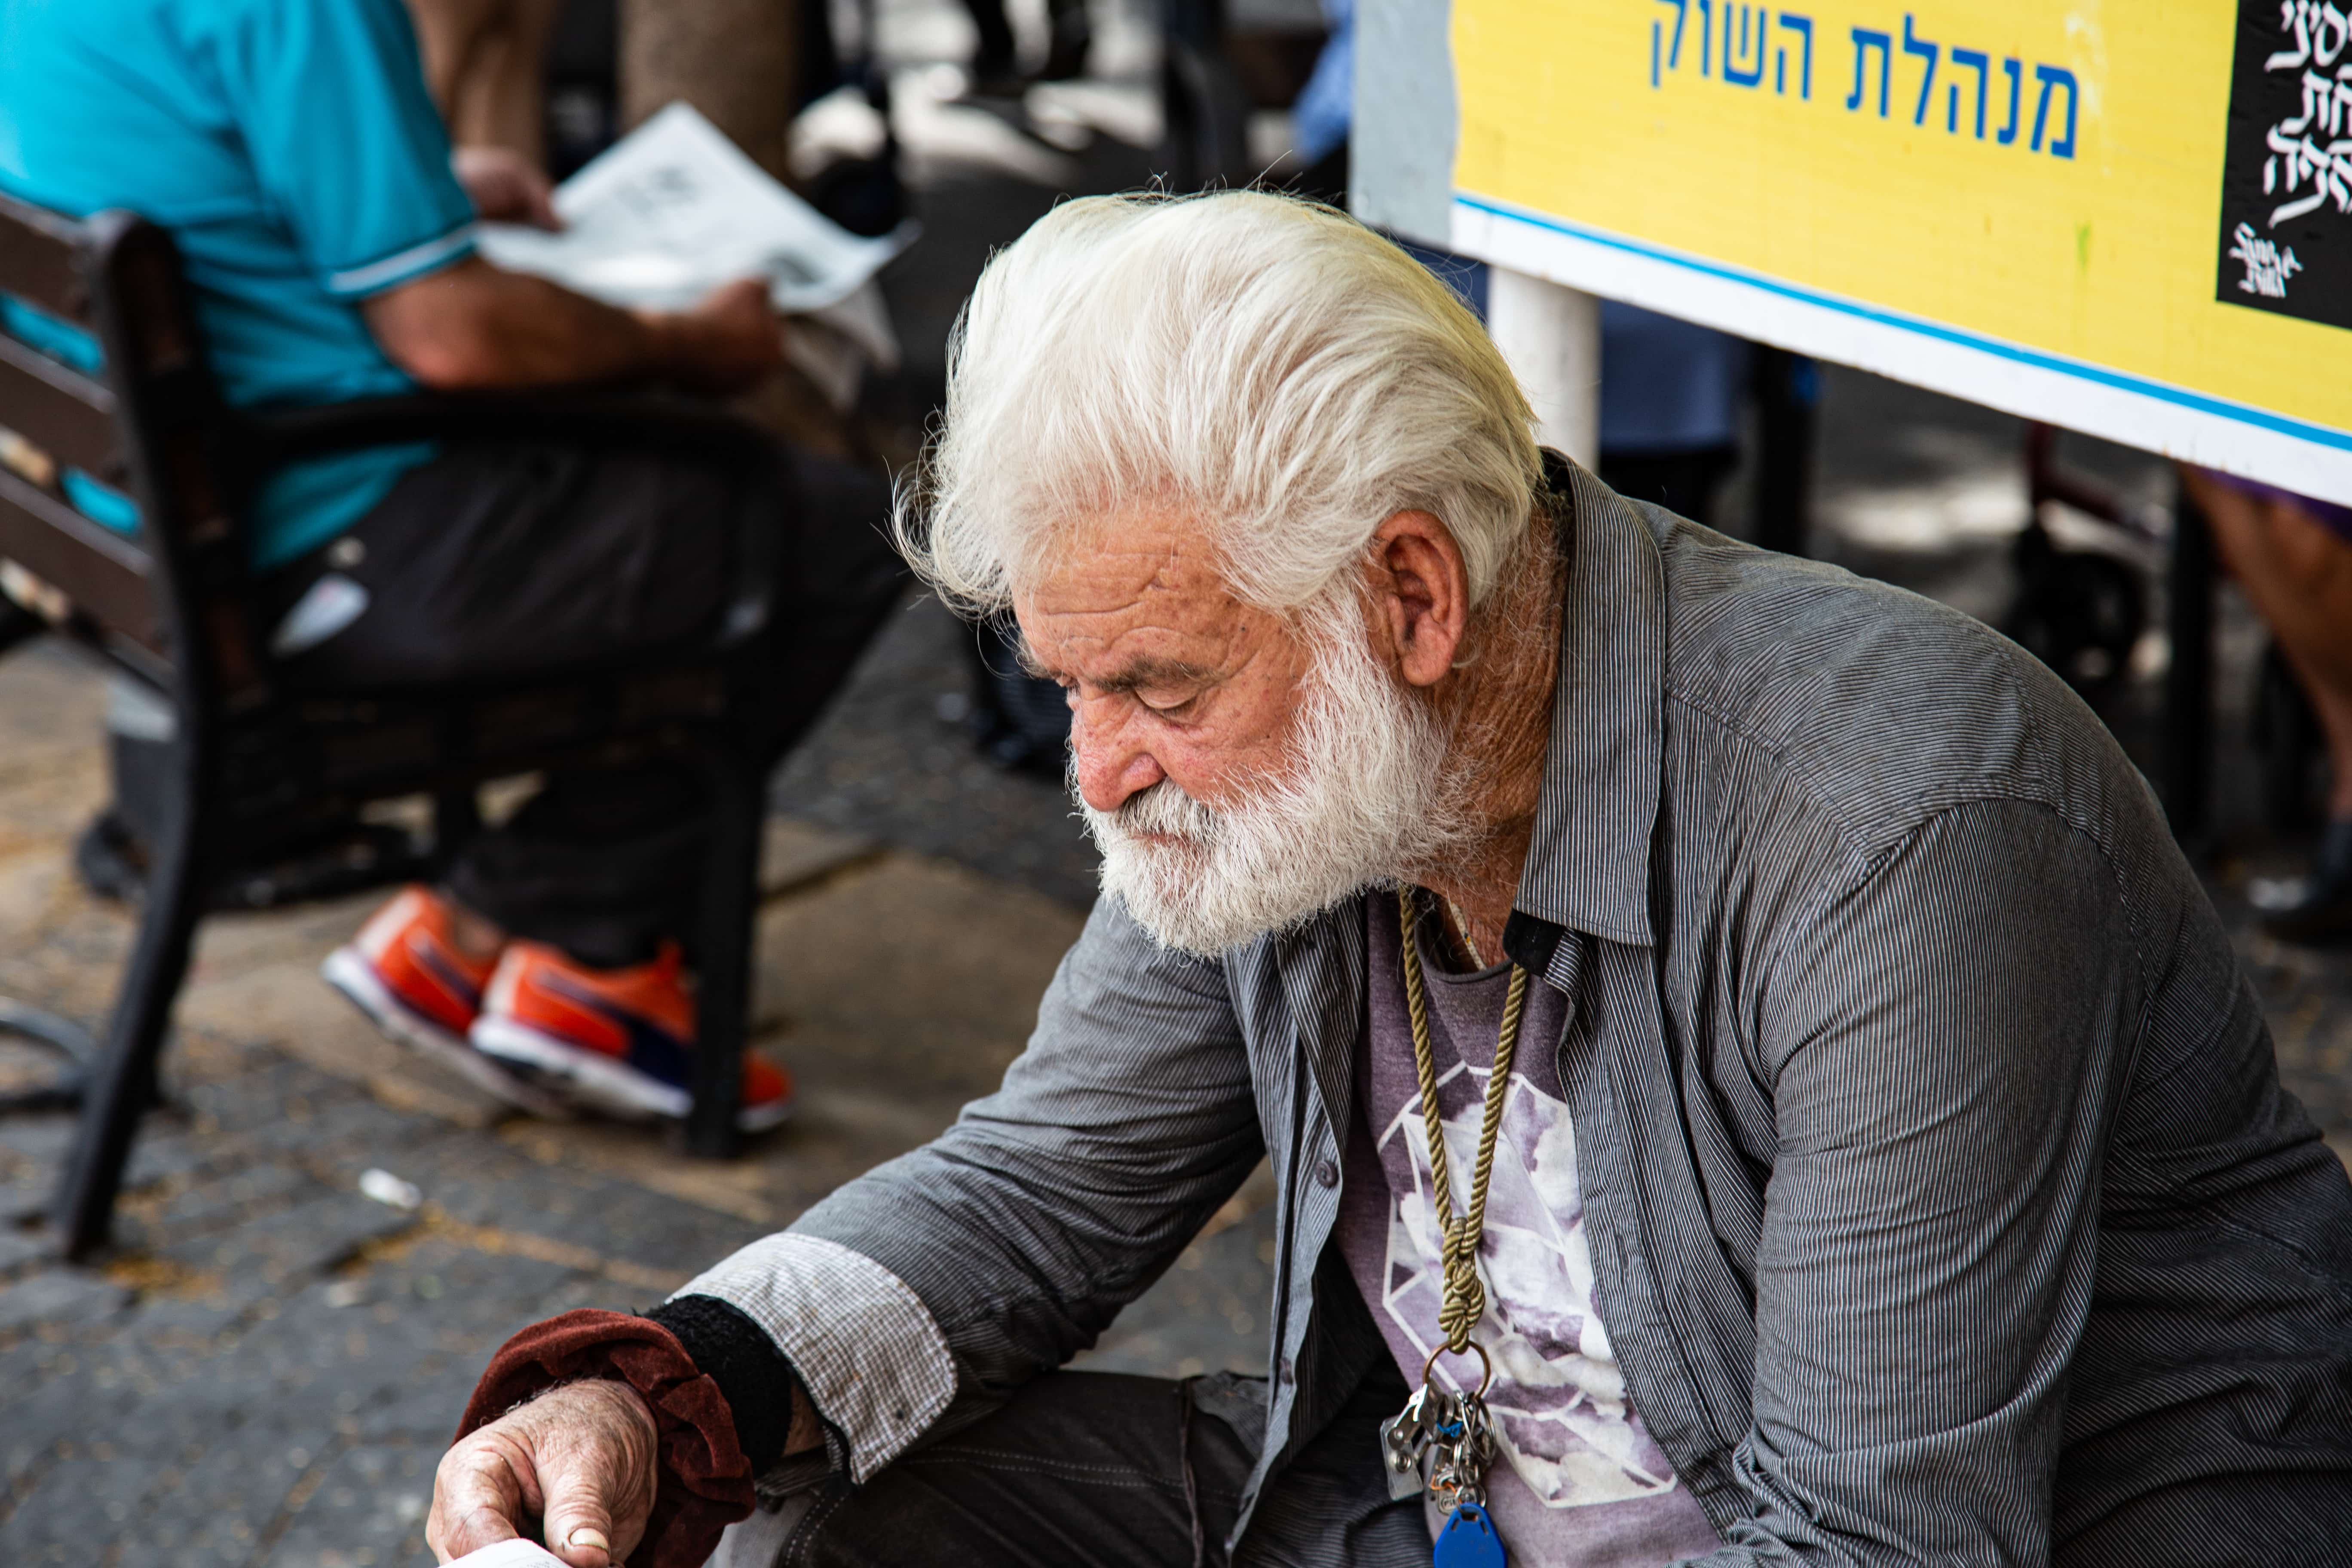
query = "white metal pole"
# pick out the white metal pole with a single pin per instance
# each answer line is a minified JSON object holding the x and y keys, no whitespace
{"x":1550,"y":335}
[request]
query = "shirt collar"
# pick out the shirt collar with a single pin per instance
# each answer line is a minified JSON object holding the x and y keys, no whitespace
{"x":1587,"y":866}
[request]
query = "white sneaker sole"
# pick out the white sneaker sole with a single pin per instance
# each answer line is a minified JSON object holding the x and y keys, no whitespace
{"x":594,"y":1078}
{"x":349,"y":973}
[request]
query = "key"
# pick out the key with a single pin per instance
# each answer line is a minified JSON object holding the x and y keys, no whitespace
{"x":1405,"y":1477}
{"x":1402,"y":1439}
{"x":1468,"y":1540}
{"x":1478,"y":1441}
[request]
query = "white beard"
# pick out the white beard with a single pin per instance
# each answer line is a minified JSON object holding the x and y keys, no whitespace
{"x":1369,"y":799}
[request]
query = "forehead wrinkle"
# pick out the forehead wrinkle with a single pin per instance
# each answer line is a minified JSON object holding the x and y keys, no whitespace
{"x":1089,"y":606}
{"x":1235,"y":653}
{"x":1172,"y":571}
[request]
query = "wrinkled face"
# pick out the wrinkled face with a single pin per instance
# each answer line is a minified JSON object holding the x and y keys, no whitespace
{"x":1239,"y":772}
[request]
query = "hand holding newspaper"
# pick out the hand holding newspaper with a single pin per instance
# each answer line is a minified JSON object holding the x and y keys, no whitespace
{"x":675,"y":209}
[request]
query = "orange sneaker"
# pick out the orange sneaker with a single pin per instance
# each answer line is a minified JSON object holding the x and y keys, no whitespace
{"x":620,"y":1039}
{"x":406,"y":974}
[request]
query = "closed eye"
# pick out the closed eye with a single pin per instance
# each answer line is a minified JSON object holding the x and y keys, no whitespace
{"x":1165,"y":704}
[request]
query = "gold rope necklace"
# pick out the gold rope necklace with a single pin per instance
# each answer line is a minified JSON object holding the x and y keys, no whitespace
{"x":1442,"y":1439}
{"x":1465,"y":1298}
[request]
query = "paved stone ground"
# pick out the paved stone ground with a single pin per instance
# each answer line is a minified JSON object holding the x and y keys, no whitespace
{"x":265,"y":1372}
{"x":267,"y":1367}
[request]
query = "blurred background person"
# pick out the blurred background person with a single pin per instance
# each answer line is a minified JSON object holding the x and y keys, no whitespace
{"x":483,"y":62}
{"x":2291,"y":557}
{"x":291,"y":148}
{"x":1671,"y":396}
{"x":484,"y":65}
{"x":995,"y":63}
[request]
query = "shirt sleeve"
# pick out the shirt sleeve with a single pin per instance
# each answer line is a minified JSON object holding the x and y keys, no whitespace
{"x":1949,"y":1041}
{"x":920,"y":1295}
{"x":867,"y":1349}
{"x":330,"y":97}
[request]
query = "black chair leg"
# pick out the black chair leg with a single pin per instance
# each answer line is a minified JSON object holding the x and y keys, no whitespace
{"x":456,"y":819}
{"x":123,"y":1084}
{"x":1784,"y":420}
{"x":730,"y":888}
{"x":2189,"y":684}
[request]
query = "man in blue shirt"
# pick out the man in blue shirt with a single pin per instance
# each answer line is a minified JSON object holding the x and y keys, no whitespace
{"x":1671,"y":392}
{"x":292,"y":150}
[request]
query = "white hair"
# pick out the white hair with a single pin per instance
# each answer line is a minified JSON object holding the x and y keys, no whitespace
{"x":1276,"y":372}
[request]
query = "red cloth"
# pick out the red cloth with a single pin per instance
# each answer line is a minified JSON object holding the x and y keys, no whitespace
{"x":706,"y":1482}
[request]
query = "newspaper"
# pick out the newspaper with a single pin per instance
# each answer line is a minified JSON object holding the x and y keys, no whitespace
{"x":510,"y":1554}
{"x":674,"y":209}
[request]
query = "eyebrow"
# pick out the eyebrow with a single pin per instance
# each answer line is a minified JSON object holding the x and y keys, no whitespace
{"x":1132,"y":677}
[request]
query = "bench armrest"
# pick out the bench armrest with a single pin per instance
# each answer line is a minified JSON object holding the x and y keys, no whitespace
{"x":670,"y":425}
{"x":280,"y":436}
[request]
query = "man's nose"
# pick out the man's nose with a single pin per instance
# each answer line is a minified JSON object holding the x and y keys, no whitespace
{"x":1110,"y":765}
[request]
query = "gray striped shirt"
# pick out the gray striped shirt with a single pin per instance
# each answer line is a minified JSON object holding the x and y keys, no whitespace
{"x":1943,"y":1202}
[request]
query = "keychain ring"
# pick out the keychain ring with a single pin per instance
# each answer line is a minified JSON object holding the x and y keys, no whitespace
{"x":1486,"y":1366}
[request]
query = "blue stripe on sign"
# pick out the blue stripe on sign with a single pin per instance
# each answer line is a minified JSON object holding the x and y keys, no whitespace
{"x":2302,"y":430}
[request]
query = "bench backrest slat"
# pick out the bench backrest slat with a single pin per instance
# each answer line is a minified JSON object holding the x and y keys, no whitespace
{"x":65,"y":414}
{"x":105,"y":576}
{"x":38,"y":261}
{"x":116,"y":452}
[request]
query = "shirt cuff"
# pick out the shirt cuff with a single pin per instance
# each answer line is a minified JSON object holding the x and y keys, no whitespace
{"x":753,"y":1375}
{"x":403,"y":265}
{"x":867,"y":1352}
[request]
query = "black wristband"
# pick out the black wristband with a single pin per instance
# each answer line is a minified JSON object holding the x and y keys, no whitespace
{"x":753,"y":1374}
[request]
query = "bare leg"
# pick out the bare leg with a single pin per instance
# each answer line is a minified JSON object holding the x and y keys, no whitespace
{"x":2297,"y":574}
{"x":501,"y":99}
{"x":450,"y":33}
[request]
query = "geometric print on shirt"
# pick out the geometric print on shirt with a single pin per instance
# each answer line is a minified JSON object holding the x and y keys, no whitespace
{"x":1558,"y":1399}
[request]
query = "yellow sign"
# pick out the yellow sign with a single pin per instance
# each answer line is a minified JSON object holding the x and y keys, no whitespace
{"x":2133,"y":218}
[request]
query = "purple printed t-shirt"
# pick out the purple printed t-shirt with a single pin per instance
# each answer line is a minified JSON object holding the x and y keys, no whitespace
{"x":1578,"y":1481}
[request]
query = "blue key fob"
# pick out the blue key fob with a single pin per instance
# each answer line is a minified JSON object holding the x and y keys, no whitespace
{"x":1468,"y":1540}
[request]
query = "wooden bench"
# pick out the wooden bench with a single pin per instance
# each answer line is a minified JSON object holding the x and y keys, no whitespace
{"x":117,"y":401}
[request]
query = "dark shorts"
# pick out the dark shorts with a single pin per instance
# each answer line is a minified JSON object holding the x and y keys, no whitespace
{"x":494,"y":561}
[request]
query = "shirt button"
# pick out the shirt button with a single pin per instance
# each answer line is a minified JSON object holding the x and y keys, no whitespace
{"x":1288,"y":1374}
{"x":1327,"y":1172}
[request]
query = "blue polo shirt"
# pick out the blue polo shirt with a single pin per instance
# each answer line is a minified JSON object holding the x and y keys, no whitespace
{"x":293,"y":151}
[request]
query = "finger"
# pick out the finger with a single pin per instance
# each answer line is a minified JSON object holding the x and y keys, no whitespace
{"x":583,"y":1482}
{"x":579,"y":1524}
{"x":470,"y":1531}
{"x":477,"y":1500}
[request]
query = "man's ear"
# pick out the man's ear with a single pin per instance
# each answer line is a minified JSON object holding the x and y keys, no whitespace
{"x":1422,"y":587}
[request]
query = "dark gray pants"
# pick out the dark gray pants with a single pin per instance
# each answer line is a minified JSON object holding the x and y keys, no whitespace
{"x":493,"y":561}
{"x":1084,"y":1468}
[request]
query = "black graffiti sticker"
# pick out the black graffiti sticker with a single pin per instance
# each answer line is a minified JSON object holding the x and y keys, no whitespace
{"x":2286,"y":175}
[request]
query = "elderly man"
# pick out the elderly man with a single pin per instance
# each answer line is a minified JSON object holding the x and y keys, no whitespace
{"x":1860,"y":1145}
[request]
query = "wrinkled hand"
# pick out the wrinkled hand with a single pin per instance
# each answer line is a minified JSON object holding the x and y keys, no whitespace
{"x":583,"y":1458}
{"x":506,"y":186}
{"x":728,"y":341}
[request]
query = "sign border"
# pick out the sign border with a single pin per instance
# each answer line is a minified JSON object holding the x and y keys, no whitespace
{"x":2034,"y":383}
